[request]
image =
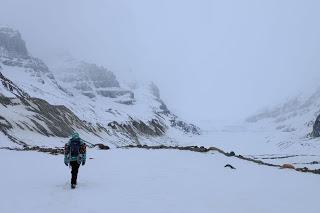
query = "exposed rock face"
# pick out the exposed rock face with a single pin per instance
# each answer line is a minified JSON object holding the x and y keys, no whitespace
{"x":185,"y":127}
{"x":91,"y":80}
{"x":134,"y":129}
{"x":13,"y":53}
{"x":11,"y":87}
{"x":59,"y":120}
{"x":36,"y":115}
{"x":156,"y":92}
{"x":316,"y":128}
{"x":33,"y":64}
{"x":174,"y":120}
{"x":11,"y":43}
{"x":99,"y":76}
{"x":86,"y":76}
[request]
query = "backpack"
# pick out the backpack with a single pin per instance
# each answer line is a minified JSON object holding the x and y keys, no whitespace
{"x":75,"y":147}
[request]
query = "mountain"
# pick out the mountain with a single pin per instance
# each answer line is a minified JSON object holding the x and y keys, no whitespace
{"x":297,"y":118}
{"x":11,"y":44}
{"x":42,"y":106}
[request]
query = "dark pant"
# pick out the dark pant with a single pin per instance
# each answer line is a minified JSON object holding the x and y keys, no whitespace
{"x":74,"y":171}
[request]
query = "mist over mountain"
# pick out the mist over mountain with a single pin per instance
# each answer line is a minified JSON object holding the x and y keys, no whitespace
{"x":207,"y":55}
{"x":76,"y":96}
{"x":159,"y":106}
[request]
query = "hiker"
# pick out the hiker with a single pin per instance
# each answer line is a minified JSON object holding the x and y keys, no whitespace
{"x":74,"y":155}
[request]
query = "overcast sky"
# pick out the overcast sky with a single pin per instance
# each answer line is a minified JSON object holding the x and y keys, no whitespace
{"x":211,"y":59}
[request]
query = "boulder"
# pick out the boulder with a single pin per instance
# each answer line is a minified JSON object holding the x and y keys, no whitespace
{"x":102,"y":146}
{"x":287,"y":166}
{"x":229,"y":166}
{"x":231,"y":154}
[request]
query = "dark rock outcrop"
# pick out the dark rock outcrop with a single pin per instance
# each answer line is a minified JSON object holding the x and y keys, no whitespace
{"x":133,"y":128}
{"x":11,"y":43}
{"x":185,"y":127}
{"x":11,"y":87}
{"x":47,"y":119}
{"x":316,"y":128}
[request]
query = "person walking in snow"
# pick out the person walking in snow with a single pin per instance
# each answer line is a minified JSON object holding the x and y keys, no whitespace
{"x":74,"y":155}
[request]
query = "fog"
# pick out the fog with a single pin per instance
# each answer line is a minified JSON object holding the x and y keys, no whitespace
{"x":219,"y":60}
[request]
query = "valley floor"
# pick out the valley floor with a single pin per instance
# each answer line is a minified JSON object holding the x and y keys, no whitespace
{"x":268,"y":146}
{"x":121,"y":180}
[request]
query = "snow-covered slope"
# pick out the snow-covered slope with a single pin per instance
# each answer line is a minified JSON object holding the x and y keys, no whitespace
{"x":296,"y":114}
{"x":88,"y":97}
{"x":292,"y":123}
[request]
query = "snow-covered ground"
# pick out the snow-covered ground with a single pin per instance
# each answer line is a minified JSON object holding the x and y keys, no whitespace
{"x":268,"y":146}
{"x":151,"y":181}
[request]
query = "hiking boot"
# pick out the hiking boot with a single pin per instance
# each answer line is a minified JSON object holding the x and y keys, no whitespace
{"x":73,"y":186}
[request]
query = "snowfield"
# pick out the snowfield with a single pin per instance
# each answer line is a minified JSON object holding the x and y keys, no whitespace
{"x":266,"y":145}
{"x":133,"y":180}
